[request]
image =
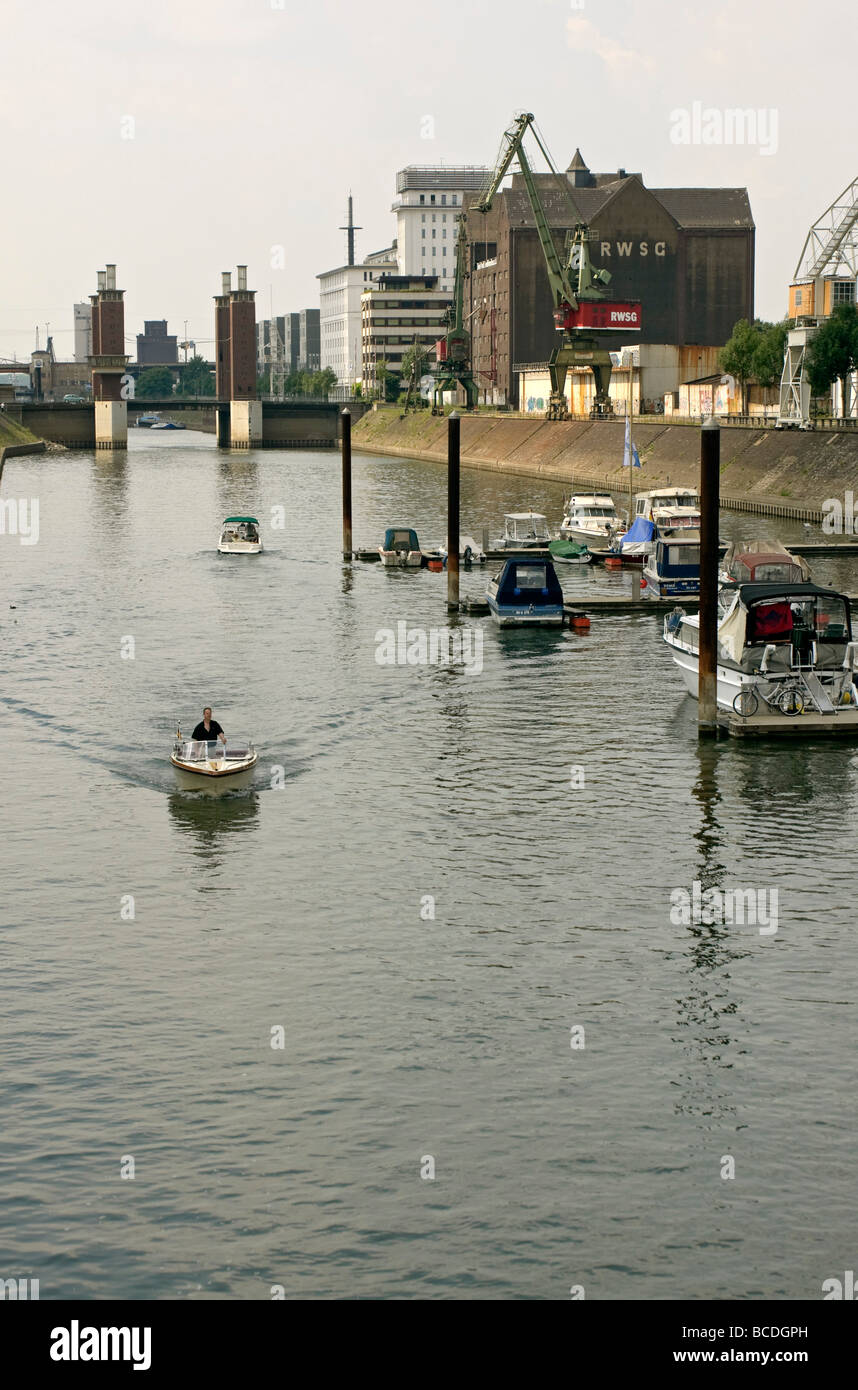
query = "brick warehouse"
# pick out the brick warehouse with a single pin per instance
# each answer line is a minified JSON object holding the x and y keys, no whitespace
{"x":686,"y":253}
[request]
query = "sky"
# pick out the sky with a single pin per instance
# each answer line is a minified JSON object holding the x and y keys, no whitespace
{"x":178,"y":138}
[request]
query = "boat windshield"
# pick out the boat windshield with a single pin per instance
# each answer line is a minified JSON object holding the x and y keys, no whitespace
{"x":527,"y":528}
{"x":530,"y":577}
{"x":194,"y":750}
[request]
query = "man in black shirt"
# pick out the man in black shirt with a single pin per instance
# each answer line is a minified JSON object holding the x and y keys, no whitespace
{"x":208,"y":729}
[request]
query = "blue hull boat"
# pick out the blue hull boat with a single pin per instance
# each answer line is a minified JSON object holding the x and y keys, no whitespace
{"x":526,"y":593}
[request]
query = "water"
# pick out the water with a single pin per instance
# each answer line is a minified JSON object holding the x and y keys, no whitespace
{"x":298,"y":906}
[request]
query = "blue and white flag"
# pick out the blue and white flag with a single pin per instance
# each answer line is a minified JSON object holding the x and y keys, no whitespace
{"x":631,"y":457}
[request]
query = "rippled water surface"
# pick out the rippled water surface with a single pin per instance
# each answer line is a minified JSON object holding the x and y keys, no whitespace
{"x":304,"y":905}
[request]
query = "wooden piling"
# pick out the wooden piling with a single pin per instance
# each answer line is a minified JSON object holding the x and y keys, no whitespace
{"x":346,"y":418}
{"x":710,"y":481}
{"x":453,"y":477}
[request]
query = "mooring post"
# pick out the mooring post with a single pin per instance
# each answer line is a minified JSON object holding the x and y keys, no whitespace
{"x":710,"y":479}
{"x":346,"y":418}
{"x":453,"y":447}
{"x":636,"y":583}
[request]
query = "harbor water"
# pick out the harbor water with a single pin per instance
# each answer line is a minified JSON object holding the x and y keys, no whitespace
{"x":412,"y":1017}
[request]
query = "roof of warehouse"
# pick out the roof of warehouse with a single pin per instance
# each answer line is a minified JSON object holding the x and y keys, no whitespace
{"x":689,"y":207}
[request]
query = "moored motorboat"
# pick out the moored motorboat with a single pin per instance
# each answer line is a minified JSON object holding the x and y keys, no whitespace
{"x":240,"y":536}
{"x":591,"y":519}
{"x":526,"y":592}
{"x":148,"y":421}
{"x":199,"y":763}
{"x":524,"y":531}
{"x":762,"y":562}
{"x":569,"y":553}
{"x":672,"y":569}
{"x":783,"y":649}
{"x":168,"y":425}
{"x":401,"y":548}
{"x":470,"y":552}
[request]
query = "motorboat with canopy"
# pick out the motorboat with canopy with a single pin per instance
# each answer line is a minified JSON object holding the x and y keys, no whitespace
{"x":672,"y":569}
{"x":240,"y":536}
{"x":526,"y":592}
{"x":788,"y":646}
{"x":762,"y":562}
{"x":524,"y":531}
{"x":401,"y":548}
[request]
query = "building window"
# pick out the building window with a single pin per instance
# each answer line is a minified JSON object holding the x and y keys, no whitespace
{"x":798,"y":298}
{"x":444,"y":198}
{"x":423,"y":233}
{"x":444,"y":231}
{"x":422,"y":217}
{"x":445,"y":250}
{"x":443,"y":217}
{"x":432,"y":197}
{"x":843,"y":293}
{"x":433,"y":234}
{"x":455,"y":199}
{"x":422,"y":198}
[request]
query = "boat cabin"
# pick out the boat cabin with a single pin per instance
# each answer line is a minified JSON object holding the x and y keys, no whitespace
{"x":646,"y":503}
{"x":400,"y":538}
{"x":778,"y":627}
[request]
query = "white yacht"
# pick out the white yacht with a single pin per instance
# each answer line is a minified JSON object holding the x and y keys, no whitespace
{"x":784,"y":648}
{"x":590,"y":519}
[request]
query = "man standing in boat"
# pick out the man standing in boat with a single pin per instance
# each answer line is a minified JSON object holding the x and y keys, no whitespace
{"x":208,"y":730}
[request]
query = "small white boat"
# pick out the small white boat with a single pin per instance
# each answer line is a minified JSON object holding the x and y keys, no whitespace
{"x":240,"y":536}
{"x":470,"y":552}
{"x":590,"y":519}
{"x":401,"y":548}
{"x":199,"y":763}
{"x":524,"y":531}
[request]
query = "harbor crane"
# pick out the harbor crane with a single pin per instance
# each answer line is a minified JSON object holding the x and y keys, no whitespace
{"x":453,"y":351}
{"x":578,"y":289}
{"x":825,"y":276}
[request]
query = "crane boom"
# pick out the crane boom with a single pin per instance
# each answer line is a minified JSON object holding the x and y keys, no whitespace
{"x":830,"y":240}
{"x":561,"y":289}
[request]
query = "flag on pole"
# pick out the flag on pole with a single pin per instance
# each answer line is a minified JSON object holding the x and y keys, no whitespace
{"x":631,"y":457}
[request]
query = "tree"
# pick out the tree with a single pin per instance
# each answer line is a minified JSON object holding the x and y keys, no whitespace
{"x":833,"y":353}
{"x":738,"y":356}
{"x":769,"y":362}
{"x":197,"y":378}
{"x":155,"y":384}
{"x":388,"y":382}
{"x":415,"y":358}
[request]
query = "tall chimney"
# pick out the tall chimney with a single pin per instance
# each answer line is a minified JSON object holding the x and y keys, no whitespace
{"x":242,"y":277}
{"x":226,"y":281}
{"x":110,"y":280}
{"x":102,"y":280}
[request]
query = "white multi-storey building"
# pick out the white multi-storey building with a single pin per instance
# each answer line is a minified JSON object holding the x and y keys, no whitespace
{"x":428,"y":205}
{"x":340,"y":293}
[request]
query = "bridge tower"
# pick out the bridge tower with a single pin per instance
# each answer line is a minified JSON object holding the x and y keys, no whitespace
{"x":109,"y":362}
{"x":235,"y":363}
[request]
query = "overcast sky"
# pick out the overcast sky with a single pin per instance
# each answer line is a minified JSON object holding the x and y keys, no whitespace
{"x":180,"y":137}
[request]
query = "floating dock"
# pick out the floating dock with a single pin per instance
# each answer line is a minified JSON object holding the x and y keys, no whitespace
{"x":810,"y":724}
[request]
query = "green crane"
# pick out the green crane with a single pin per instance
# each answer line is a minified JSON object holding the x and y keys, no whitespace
{"x":572,"y":284}
{"x":453,"y":351}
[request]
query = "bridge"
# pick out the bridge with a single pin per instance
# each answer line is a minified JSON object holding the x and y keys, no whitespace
{"x":297,"y":424}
